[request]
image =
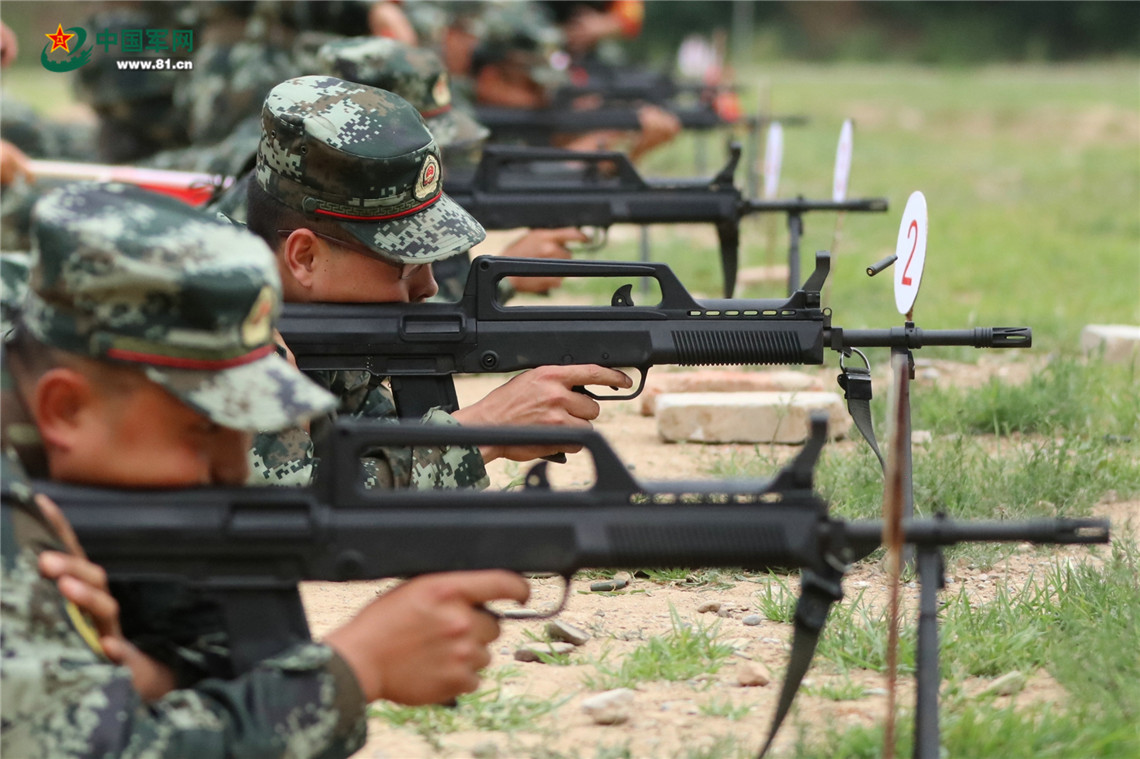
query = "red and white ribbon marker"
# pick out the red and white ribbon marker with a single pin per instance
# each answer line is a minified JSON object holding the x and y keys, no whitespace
{"x":843,"y":162}
{"x":910,"y":251}
{"x":773,"y":158}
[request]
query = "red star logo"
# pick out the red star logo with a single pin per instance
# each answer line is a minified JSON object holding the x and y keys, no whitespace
{"x":59,"y":39}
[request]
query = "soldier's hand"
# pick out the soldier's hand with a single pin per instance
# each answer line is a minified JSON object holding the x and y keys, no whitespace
{"x":425,"y":641}
{"x":658,"y":126}
{"x":542,"y":396}
{"x":8,"y":45}
{"x":84,"y":583}
{"x":543,"y":243}
{"x":13,"y":164}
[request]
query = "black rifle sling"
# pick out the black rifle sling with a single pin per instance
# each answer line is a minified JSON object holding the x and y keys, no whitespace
{"x":856,"y":384}
{"x":818,"y":593}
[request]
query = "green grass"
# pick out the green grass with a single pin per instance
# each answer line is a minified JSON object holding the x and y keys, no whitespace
{"x":724,"y":707}
{"x":1067,"y":397}
{"x":490,"y":708}
{"x":688,"y":650}
{"x":1079,"y":625}
{"x":777,"y":600}
{"x":837,"y":690}
{"x":1031,"y":174}
{"x":1078,"y":440}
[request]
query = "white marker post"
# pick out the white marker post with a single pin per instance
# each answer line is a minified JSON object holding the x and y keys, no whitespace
{"x":773,"y":159}
{"x":839,"y":183}
{"x":843,"y":161}
{"x":910,"y":252}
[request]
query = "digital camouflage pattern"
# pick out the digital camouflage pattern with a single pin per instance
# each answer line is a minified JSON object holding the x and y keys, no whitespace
{"x":283,"y":458}
{"x":362,"y":157}
{"x":230,"y":80}
{"x":37,"y":137}
{"x":287,"y":458}
{"x":246,"y":48}
{"x":415,"y":74}
{"x":135,"y":108}
{"x":13,"y":284}
{"x":124,"y":275}
{"x":63,"y":699}
{"x":232,"y":156}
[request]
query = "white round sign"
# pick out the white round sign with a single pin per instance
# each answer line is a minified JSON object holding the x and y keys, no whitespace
{"x":843,"y":162}
{"x":773,"y":158}
{"x":910,"y":251}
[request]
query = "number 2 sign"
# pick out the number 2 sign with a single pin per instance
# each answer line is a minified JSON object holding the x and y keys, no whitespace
{"x":911,"y":253}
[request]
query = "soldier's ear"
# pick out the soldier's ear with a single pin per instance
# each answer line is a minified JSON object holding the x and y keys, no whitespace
{"x":62,"y":404}
{"x":300,"y":255}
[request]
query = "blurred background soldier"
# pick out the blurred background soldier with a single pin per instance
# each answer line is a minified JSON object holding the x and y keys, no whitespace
{"x":418,"y":76}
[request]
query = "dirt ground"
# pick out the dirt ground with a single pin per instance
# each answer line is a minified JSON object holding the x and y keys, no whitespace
{"x":667,"y":718}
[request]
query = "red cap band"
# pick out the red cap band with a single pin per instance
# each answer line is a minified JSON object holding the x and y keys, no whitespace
{"x":177,"y":362}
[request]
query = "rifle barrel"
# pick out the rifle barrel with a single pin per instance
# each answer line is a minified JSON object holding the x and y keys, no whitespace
{"x":916,"y":337}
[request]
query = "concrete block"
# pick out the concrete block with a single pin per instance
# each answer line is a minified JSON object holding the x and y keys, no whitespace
{"x":1114,"y":343}
{"x":747,"y":417}
{"x":724,"y":381}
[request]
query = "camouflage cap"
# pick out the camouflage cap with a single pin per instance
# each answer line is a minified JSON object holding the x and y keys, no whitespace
{"x":415,"y":74}
{"x":362,"y":157}
{"x":126,"y":276}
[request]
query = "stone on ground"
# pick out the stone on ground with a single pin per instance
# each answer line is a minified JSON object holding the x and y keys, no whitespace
{"x":747,"y":417}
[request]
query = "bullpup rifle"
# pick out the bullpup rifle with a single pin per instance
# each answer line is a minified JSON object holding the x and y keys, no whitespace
{"x":532,"y":187}
{"x":420,"y":347}
{"x":247,"y":548}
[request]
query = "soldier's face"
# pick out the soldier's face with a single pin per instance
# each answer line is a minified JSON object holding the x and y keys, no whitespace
{"x":342,"y":275}
{"x":145,"y":437}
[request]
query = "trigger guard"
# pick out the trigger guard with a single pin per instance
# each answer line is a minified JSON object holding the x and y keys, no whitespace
{"x":636,"y":391}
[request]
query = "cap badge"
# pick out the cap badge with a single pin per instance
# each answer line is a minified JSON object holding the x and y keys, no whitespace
{"x":258,"y":326}
{"x":441,"y":91}
{"x":428,"y":183}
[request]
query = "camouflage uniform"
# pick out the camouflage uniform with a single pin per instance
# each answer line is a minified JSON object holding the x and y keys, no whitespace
{"x":323,"y":152}
{"x":37,"y":137}
{"x":248,"y":48}
{"x":149,"y":292}
{"x":13,"y":284}
{"x":135,"y":108}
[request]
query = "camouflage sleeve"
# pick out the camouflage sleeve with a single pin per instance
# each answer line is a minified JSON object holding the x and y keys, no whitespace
{"x":446,"y":467}
{"x":64,"y":699}
{"x":426,"y":468}
{"x":281,"y":458}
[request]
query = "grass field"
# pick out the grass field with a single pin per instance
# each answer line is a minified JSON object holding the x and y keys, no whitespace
{"x":1032,"y":176}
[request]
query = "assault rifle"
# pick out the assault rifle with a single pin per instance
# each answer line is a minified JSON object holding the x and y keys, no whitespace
{"x":536,"y":126}
{"x":532,"y":187}
{"x":247,"y":548}
{"x":421,"y":346}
